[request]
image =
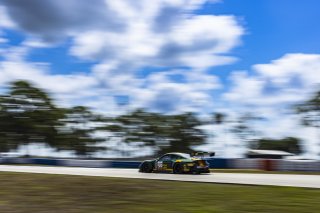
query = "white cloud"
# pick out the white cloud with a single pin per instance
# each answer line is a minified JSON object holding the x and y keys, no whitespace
{"x":36,"y":43}
{"x":245,"y":87}
{"x":3,"y":40}
{"x":5,"y":21}
{"x":123,"y":37}
{"x":196,"y":41}
{"x":304,"y":68}
{"x":53,"y":20}
{"x":286,"y":80}
{"x":71,"y":89}
{"x":159,"y":91}
{"x":37,"y":73}
{"x":67,"y":90}
{"x":162,"y":93}
{"x":158,"y":32}
{"x":271,"y":90}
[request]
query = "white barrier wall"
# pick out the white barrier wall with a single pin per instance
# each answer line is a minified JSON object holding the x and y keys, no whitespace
{"x":297,"y":165}
{"x":275,"y":165}
{"x":244,"y":163}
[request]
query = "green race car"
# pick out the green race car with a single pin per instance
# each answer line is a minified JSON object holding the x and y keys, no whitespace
{"x":177,"y":163}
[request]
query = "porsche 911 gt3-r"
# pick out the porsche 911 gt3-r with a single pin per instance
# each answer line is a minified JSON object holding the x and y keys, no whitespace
{"x":177,"y":163}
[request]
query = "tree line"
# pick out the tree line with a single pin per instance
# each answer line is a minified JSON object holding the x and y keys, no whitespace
{"x":28,"y":115}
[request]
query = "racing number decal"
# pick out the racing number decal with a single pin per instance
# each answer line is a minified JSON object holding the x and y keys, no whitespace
{"x":165,"y":166}
{"x":159,"y":164}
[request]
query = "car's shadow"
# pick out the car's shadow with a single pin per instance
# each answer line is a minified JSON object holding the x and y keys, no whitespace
{"x":190,"y":174}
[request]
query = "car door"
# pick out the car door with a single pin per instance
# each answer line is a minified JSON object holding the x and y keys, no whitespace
{"x":168,"y":163}
{"x":164,"y":163}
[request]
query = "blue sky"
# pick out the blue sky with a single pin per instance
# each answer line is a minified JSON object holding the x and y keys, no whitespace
{"x":170,"y":56}
{"x":273,"y":28}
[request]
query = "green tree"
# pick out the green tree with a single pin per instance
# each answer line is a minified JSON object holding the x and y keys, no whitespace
{"x":219,"y":118}
{"x":288,"y":144}
{"x":244,"y":129}
{"x":162,"y":133}
{"x":137,"y":129}
{"x":219,"y":121}
{"x":28,"y":116}
{"x":7,"y":137}
{"x":77,"y":132}
{"x":310,"y":111}
{"x":182,"y":133}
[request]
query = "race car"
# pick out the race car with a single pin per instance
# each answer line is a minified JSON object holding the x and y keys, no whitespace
{"x":178,"y":163}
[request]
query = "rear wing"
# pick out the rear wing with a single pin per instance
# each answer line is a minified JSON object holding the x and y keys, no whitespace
{"x":202,"y":154}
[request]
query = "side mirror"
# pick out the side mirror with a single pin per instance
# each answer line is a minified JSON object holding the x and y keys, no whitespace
{"x":212,"y":154}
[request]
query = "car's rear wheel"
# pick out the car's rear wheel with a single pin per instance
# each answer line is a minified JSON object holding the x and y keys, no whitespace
{"x":146,"y":167}
{"x":178,"y":169}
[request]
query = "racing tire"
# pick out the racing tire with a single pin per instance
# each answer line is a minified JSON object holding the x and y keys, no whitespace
{"x":146,"y":168}
{"x":178,"y":168}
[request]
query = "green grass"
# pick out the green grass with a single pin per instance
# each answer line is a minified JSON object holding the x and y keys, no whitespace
{"x":43,"y":193}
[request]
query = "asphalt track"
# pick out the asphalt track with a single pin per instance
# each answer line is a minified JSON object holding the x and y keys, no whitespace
{"x":310,"y":181}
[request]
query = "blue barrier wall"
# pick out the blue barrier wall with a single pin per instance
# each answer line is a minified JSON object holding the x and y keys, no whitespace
{"x":45,"y":161}
{"x":125,"y":164}
{"x":17,"y":161}
{"x":218,"y":163}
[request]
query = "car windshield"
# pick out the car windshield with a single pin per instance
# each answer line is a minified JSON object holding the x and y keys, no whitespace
{"x":184,"y":155}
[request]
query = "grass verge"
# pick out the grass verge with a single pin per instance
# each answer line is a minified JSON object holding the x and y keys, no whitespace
{"x":25,"y":193}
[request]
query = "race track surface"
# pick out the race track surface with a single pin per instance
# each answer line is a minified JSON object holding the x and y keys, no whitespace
{"x":312,"y":181}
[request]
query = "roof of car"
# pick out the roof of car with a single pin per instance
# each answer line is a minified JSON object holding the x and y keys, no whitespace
{"x":178,"y":153}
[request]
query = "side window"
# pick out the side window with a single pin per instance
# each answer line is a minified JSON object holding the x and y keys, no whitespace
{"x":175,"y":157}
{"x":165,"y":158}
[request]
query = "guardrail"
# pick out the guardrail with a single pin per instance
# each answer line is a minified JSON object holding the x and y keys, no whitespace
{"x":215,"y":163}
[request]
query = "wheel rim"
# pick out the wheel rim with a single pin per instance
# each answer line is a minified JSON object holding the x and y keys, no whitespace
{"x":178,"y":169}
{"x":145,"y":167}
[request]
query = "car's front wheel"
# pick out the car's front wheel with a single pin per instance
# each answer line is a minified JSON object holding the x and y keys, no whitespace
{"x":146,"y":167}
{"x":178,"y":169}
